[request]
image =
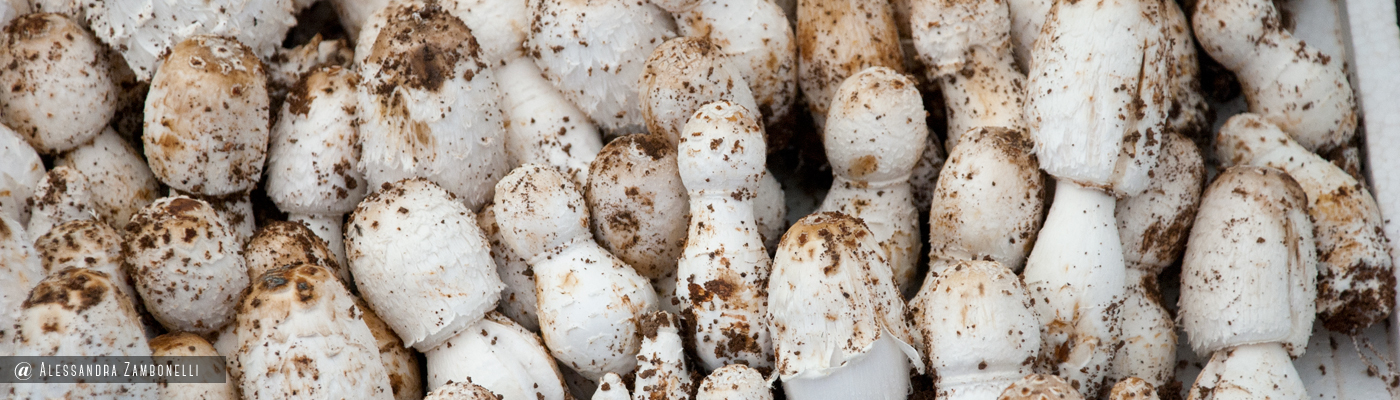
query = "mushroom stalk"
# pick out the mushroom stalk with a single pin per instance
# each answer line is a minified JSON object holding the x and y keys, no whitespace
{"x":544,"y":127}
{"x":986,"y":91}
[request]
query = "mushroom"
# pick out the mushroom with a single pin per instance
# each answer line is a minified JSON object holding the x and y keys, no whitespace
{"x":1040,"y":387}
{"x":461,"y":391}
{"x":207,"y":123}
{"x":499,"y":355}
{"x":282,"y":243}
{"x":1096,"y":110}
{"x":354,"y":14}
{"x":837,"y":319}
{"x":837,"y":39}
{"x":286,"y":67}
{"x":594,"y":53}
{"x":610,"y":387}
{"x":967,"y":48}
{"x":60,"y":93}
{"x":187,"y":264}
{"x":1027,"y":19}
{"x":78,"y":312}
{"x":119,"y":180}
{"x":978,"y":328}
{"x":184,"y":344}
{"x":448,"y":101}
{"x":874,"y":134}
{"x":21,"y":271}
{"x":421,"y":262}
{"x":1248,"y":285}
{"x":640,"y":209}
{"x":1356,"y":287}
{"x":518,"y":300}
{"x":302,"y":333}
{"x":61,"y":197}
{"x":1287,"y":82}
{"x":314,"y":148}
{"x":90,"y":244}
{"x":400,"y":362}
{"x":147,"y":32}
{"x":924,"y":178}
{"x":545,"y":128}
{"x":589,"y":300}
{"x":1153,"y":227}
{"x":989,"y":202}
{"x":1132,"y":388}
{"x":19,"y":175}
{"x":721,"y":273}
{"x":1190,"y":116}
{"x":735,"y":381}
{"x":235,"y":209}
{"x":661,"y":373}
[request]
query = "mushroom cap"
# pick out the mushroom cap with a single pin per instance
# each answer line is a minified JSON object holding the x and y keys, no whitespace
{"x":187,"y":264}
{"x":1257,"y":371}
{"x":61,"y":94}
{"x":946,"y":31}
{"x":461,"y":391}
{"x":499,"y":355}
{"x":61,"y":197}
{"x":977,"y":327}
{"x":206,"y":117}
{"x":545,"y":128}
{"x":120,"y":181}
{"x":86,"y":243}
{"x":281,"y":243}
{"x":1154,"y":225}
{"x":20,"y":270}
{"x":1133,"y":388}
{"x":429,"y":106}
{"x":287,"y":66}
{"x":1040,"y":387}
{"x":19,"y":174}
{"x":1250,"y":268}
{"x":875,"y":129}
{"x":421,"y":262}
{"x":301,"y":326}
{"x":661,"y":371}
{"x":145,"y":31}
{"x":185,"y":344}
{"x":594,"y":52}
{"x":539,"y":210}
{"x":314,"y":147}
{"x":639,"y":206}
{"x":837,"y":39}
{"x":680,"y":76}
{"x":735,"y":381}
{"x":518,"y":300}
{"x":498,"y":26}
{"x":610,"y":387}
{"x":722,"y":151}
{"x":355,"y":15}
{"x":989,"y":200}
{"x":400,"y":362}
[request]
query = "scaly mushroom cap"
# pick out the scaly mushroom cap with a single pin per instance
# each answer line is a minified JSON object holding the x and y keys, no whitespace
{"x":835,"y":313}
{"x":420,"y":260}
{"x":300,"y":326}
{"x":770,"y":210}
{"x":146,"y":31}
{"x":837,"y":39}
{"x":594,"y":53}
{"x":280,"y":243}
{"x":61,"y":197}
{"x":1250,"y":267}
{"x":184,"y":344}
{"x":400,"y":362}
{"x":206,"y":117}
{"x":1133,"y":388}
{"x":60,"y":94}
{"x":499,"y":355}
{"x":187,"y":264}
{"x":86,"y":244}
{"x":461,"y":391}
{"x":542,"y":212}
{"x":19,"y":174}
{"x":1040,"y":387}
{"x":1257,"y":371}
{"x":978,"y":328}
{"x":640,"y":208}
{"x":610,"y":387}
{"x":499,"y":26}
{"x":989,"y":201}
{"x":314,"y":147}
{"x":429,"y":106}
{"x":120,"y":181}
{"x":946,"y":32}
{"x":682,"y":75}
{"x":722,"y":151}
{"x":20,"y":270}
{"x":518,"y":300}
{"x":1111,"y":140}
{"x":1154,"y":225}
{"x":661,"y":373}
{"x":735,"y":381}
{"x":545,"y":128}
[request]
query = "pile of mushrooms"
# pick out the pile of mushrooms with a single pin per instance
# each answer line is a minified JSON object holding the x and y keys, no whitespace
{"x":683,"y":199}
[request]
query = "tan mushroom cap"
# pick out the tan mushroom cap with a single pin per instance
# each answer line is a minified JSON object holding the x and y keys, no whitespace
{"x":683,"y":74}
{"x":120,"y":181}
{"x":187,"y":264}
{"x":282,"y":243}
{"x":59,"y":93}
{"x":145,"y":32}
{"x":1133,"y":388}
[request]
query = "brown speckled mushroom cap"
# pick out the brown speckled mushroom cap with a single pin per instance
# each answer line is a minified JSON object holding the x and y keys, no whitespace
{"x":61,"y":197}
{"x":282,"y":243}
{"x":187,"y":264}
{"x":639,"y":206}
{"x":87,"y":244}
{"x":206,"y":117}
{"x":120,"y":181}
{"x":518,"y":300}
{"x":722,"y":151}
{"x":989,"y":201}
{"x":59,"y":93}
{"x":314,"y":147}
{"x":1133,"y":388}
{"x":146,"y":31}
{"x":1155,"y":224}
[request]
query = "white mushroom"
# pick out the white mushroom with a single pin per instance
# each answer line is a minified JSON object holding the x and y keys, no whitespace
{"x":1249,"y":371}
{"x":236,"y":210}
{"x":119,"y":180}
{"x":87,"y":244}
{"x":20,"y":270}
{"x":736,"y":382}
{"x":837,"y":319}
{"x":1040,"y":387}
{"x":61,"y":197}
{"x":1027,"y":19}
{"x":183,"y":344}
{"x":610,"y":387}
{"x":978,"y":328}
{"x":78,"y":312}
{"x":721,"y":273}
{"x":1133,"y":388}
{"x":429,"y":106}
{"x":400,"y":362}
{"x":989,"y":201}
{"x":683,"y":74}
{"x":661,"y":373}
{"x":589,"y":300}
{"x":187,"y":264}
{"x":301,"y":335}
{"x":499,"y":355}
{"x":1356,"y":287}
{"x":314,"y":148}
{"x":286,"y":67}
{"x":19,"y":174}
{"x":58,"y":91}
{"x":640,"y":209}
{"x":518,"y":300}
{"x":461,"y":391}
{"x":967,"y":48}
{"x":594,"y":53}
{"x":148,"y":31}
{"x":421,"y":262}
{"x":280,"y":243}
{"x":837,"y":39}
{"x":875,"y":132}
{"x":354,"y":14}
{"x":500,"y":27}
{"x":544,"y":127}
{"x":1189,"y":116}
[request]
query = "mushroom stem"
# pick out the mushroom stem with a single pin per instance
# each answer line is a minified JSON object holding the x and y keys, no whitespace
{"x":328,"y":228}
{"x":881,"y":373}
